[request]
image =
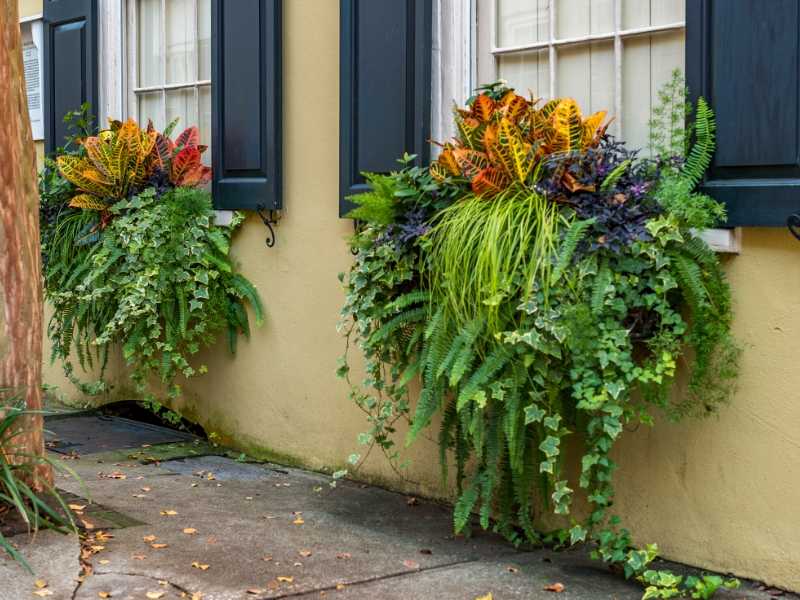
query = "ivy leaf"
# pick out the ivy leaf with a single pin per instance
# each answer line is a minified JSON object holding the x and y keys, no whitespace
{"x":550,"y":446}
{"x":553,"y":422}
{"x":577,"y":534}
{"x":533,"y":414}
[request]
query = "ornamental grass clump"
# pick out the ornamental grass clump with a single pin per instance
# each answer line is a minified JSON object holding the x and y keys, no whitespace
{"x":552,"y":289}
{"x":133,"y":258}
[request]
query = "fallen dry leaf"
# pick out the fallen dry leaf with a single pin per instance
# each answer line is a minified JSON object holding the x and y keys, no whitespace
{"x":190,"y":531}
{"x":86,"y":524}
{"x":412,"y":501}
{"x":285,"y":579}
{"x":104,"y":561}
{"x":138,"y":557}
{"x":255,"y":591}
{"x":267,"y":558}
{"x":159,"y":546}
{"x":554,"y":587}
{"x":200,"y":566}
{"x":104,"y":594}
{"x":512,"y":569}
{"x":155,"y":595}
{"x":305,"y":553}
{"x":411,"y":564}
{"x":140,"y":496}
{"x":486,"y":597}
{"x":76,"y":506}
{"x":168,"y":513}
{"x":149,"y":538}
{"x":340,"y":586}
{"x":298,"y":521}
{"x":146,"y":489}
{"x":40,"y":583}
{"x":98,"y":548}
{"x":43,"y":593}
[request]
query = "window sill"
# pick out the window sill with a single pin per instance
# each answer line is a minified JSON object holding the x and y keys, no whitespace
{"x":724,"y":241}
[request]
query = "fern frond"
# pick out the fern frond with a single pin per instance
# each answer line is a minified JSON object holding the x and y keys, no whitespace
{"x":569,"y":244}
{"x":699,"y":158}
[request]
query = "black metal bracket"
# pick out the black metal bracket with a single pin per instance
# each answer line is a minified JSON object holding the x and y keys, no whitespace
{"x":793,"y":223}
{"x":269,"y":217}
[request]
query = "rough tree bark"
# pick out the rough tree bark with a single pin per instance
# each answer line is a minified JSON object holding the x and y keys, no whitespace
{"x":20,"y":259}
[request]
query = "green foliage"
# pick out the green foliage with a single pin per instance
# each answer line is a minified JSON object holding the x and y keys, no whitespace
{"x":523,"y":329}
{"x":480,"y":254}
{"x":43,"y":510}
{"x":378,"y":205}
{"x":158,"y":281}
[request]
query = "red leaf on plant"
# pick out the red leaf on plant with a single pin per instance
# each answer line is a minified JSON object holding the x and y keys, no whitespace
{"x":190,"y":138}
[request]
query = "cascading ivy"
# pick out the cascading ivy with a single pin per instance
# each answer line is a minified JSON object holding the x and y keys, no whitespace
{"x":551,"y":284}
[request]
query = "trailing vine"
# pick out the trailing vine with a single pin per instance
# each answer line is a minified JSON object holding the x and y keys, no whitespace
{"x":541,"y":281}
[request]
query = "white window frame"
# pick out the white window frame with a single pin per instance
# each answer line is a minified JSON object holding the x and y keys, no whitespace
{"x":458,"y":42}
{"x":134,"y":89}
{"x":36,"y":25}
{"x":617,"y":34}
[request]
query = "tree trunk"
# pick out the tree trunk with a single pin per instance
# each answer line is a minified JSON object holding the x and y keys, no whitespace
{"x":20,"y":258}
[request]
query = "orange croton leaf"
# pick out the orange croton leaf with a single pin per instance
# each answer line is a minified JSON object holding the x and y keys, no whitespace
{"x":470,"y":162}
{"x":489,"y":182}
{"x":483,"y":108}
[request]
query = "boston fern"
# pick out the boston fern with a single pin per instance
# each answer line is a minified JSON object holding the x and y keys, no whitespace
{"x":552,"y":294}
{"x":136,"y":261}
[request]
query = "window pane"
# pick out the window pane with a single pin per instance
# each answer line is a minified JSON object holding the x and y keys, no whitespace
{"x":528,"y":71}
{"x":180,"y":41}
{"x":149,"y":42}
{"x":573,"y":18}
{"x":586,"y":73}
{"x":647,"y":64}
{"x":642,"y":13}
{"x":521,"y":22}
{"x":181,"y":105}
{"x":150,"y":108}
{"x":204,"y":38}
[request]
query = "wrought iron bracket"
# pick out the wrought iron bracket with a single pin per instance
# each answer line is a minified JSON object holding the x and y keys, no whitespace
{"x":269,"y":217}
{"x":793,"y":223}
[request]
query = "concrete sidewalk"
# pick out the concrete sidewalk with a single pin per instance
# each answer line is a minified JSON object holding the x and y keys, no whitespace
{"x":211,"y":528}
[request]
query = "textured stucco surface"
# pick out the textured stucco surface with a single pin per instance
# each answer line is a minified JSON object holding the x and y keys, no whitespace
{"x":723,"y":493}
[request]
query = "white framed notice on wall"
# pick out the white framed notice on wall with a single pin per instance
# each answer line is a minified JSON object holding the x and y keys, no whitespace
{"x":32,"y":63}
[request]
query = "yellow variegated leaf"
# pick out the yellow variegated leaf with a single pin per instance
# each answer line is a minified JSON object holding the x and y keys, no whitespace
{"x":82,"y":175}
{"x":469,"y":131}
{"x":448,"y":161}
{"x":88,"y":202}
{"x":591,"y":126}
{"x":516,"y":151}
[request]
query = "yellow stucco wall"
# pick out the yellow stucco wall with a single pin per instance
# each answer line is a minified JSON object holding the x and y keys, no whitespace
{"x":723,"y":493}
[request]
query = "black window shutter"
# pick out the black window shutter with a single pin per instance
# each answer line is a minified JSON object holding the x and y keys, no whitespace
{"x":742,"y":56}
{"x":246,"y":103}
{"x":70,"y":63}
{"x":385,"y":88}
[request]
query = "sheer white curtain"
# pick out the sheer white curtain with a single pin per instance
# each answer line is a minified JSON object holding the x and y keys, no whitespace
{"x":173,"y":57}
